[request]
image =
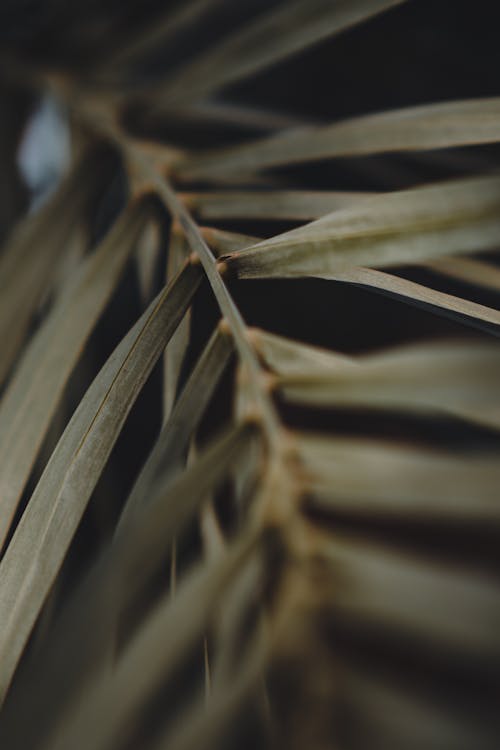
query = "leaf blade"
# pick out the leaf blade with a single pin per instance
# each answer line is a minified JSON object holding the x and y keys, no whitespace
{"x":431,"y":126}
{"x":54,"y":511}
{"x":32,"y":396}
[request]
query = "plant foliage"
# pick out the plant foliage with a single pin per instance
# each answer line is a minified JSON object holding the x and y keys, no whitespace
{"x":249,"y":405}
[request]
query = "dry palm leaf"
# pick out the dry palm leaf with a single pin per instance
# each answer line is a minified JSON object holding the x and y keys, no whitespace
{"x":431,"y":126}
{"x":308,"y":418}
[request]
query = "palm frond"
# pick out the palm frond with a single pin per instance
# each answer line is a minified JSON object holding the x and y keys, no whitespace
{"x":248,"y":483}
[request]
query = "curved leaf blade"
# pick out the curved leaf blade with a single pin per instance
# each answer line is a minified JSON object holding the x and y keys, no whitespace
{"x":33,"y":394}
{"x":432,"y":126}
{"x":44,"y":533}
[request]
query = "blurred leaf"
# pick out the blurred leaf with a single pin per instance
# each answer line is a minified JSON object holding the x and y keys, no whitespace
{"x":29,"y":260}
{"x":388,"y":713}
{"x":38,"y":383}
{"x":288,"y":357}
{"x":381,"y":479}
{"x":430,"y":126}
{"x":266,"y":204}
{"x":78,"y":651}
{"x":450,"y":608}
{"x":167,"y":456}
{"x":205,"y":727}
{"x":476,"y":272}
{"x":271,"y":37}
{"x":461,"y":379}
{"x":222,"y":242}
{"x":150,"y":659}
